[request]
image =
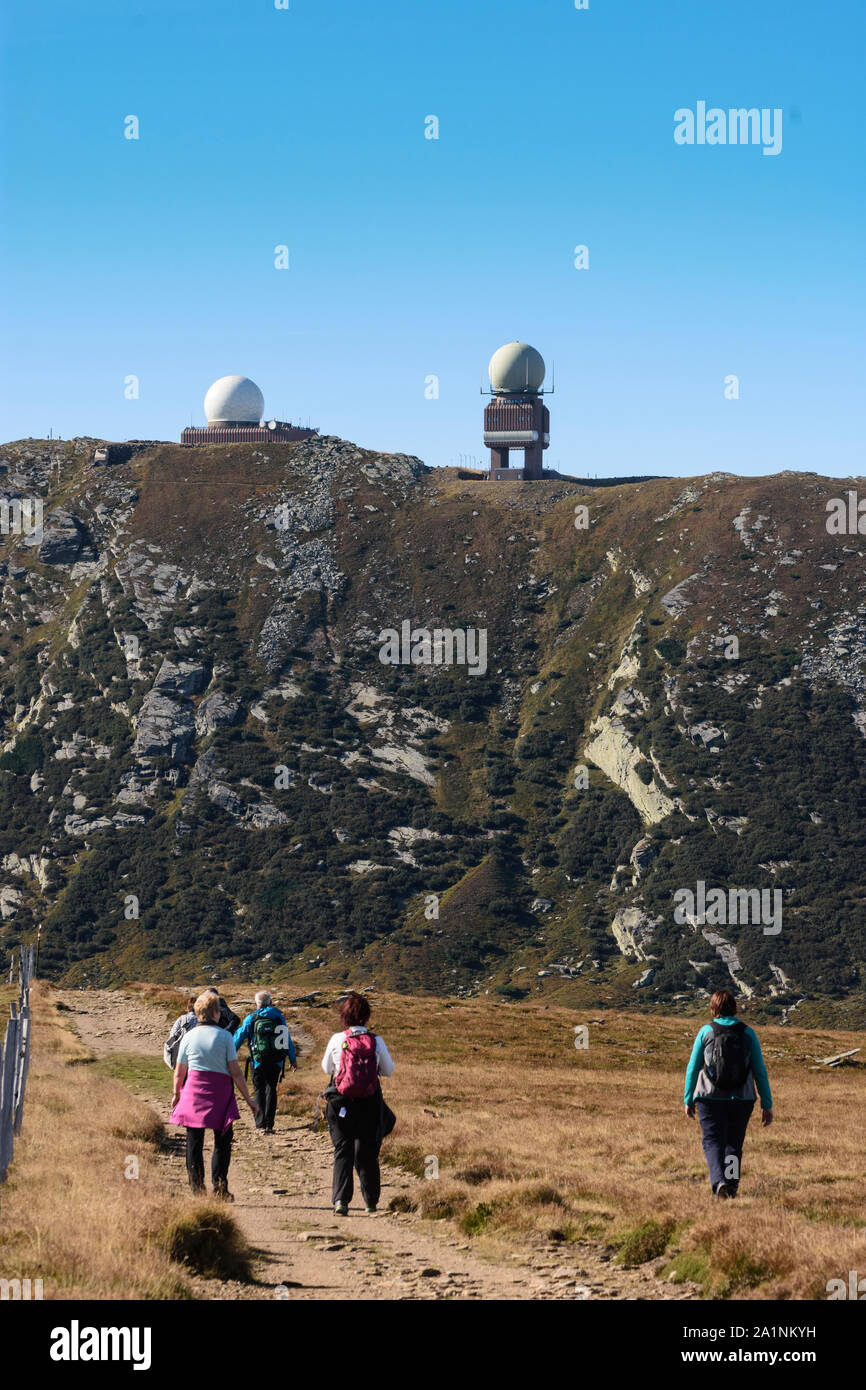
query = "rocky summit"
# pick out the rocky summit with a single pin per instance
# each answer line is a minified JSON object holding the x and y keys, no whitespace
{"x":313,"y":708}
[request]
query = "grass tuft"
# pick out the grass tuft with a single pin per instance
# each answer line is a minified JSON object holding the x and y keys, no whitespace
{"x":206,"y":1239}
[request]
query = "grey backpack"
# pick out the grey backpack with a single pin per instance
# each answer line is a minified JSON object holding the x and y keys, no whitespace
{"x":173,"y":1041}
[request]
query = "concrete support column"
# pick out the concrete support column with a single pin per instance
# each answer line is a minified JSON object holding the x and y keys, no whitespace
{"x":533,"y":461}
{"x":498,"y":459}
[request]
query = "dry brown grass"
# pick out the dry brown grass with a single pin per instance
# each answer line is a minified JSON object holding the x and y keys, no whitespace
{"x":534,"y":1137}
{"x":70,"y":1214}
{"x":166,"y":997}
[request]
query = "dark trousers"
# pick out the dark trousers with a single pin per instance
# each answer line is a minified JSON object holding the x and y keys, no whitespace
{"x":222,"y":1154}
{"x":265,"y":1079}
{"x":723,"y":1132}
{"x":356,"y":1141}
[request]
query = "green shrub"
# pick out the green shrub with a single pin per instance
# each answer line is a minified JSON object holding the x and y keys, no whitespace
{"x":645,"y":1242}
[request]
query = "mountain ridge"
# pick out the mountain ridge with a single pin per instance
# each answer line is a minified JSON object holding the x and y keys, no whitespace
{"x":195,"y":716}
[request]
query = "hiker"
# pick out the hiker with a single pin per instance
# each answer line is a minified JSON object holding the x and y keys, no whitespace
{"x":206,"y":1074}
{"x":228,"y":1019}
{"x":181,"y":1025}
{"x":270,"y":1043}
{"x":357,"y":1115}
{"x":725,"y":1065}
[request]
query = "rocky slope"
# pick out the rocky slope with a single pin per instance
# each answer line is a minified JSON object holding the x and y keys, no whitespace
{"x":204,"y":758}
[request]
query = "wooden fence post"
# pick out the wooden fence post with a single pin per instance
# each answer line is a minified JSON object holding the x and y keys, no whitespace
{"x":7,"y":1092}
{"x":23,"y":1066}
{"x":15,"y":1062}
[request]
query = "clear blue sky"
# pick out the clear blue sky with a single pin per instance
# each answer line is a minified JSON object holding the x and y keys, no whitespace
{"x":412,"y":257}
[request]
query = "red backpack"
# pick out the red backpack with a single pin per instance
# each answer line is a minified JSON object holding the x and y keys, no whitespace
{"x":358,"y":1073}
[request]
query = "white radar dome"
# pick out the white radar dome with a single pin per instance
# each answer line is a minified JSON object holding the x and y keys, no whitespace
{"x":516,"y":367}
{"x":234,"y":400}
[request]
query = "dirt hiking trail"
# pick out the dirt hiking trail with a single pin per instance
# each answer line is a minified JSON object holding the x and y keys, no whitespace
{"x":282,"y":1184}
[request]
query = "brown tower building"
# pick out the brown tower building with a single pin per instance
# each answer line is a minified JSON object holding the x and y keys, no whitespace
{"x":516,"y":417}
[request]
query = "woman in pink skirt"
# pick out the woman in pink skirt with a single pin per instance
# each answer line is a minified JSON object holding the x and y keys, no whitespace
{"x":205,"y":1076}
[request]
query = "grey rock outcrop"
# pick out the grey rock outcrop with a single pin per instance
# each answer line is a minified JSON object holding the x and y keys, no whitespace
{"x":642,"y":856}
{"x":77,"y":825}
{"x":215,"y":711}
{"x":181,"y":677}
{"x":222,"y":795}
{"x":165,"y":727}
{"x":633,"y":930}
{"x":706,"y":733}
{"x":264,"y":815}
{"x":206,"y":771}
{"x":63,"y":540}
{"x":10,"y":901}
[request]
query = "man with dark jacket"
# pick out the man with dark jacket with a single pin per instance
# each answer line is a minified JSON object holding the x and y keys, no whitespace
{"x":228,"y":1018}
{"x":270,"y":1042}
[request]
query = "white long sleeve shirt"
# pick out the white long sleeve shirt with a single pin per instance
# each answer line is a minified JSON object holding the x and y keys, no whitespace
{"x":331,"y":1059}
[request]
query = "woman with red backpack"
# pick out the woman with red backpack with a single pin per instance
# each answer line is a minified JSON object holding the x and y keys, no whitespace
{"x":355,"y":1058}
{"x":725,"y":1067}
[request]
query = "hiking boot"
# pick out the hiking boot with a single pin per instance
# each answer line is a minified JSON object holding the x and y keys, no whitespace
{"x":198,"y":1188}
{"x":371,"y":1211}
{"x":340,"y":1209}
{"x":221,"y":1191}
{"x":721,"y":1191}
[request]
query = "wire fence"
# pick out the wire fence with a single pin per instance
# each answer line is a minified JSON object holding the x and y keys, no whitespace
{"x":15,"y":1061}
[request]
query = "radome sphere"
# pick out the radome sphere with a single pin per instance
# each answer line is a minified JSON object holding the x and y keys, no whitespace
{"x":515,"y":368}
{"x":234,"y":400}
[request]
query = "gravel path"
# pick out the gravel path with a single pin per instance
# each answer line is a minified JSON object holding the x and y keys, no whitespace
{"x":281,"y":1185}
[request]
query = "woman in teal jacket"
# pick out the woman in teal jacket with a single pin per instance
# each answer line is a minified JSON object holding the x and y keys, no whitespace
{"x":725,"y":1067}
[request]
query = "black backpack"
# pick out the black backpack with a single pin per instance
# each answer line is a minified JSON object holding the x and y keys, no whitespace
{"x":726,"y":1056}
